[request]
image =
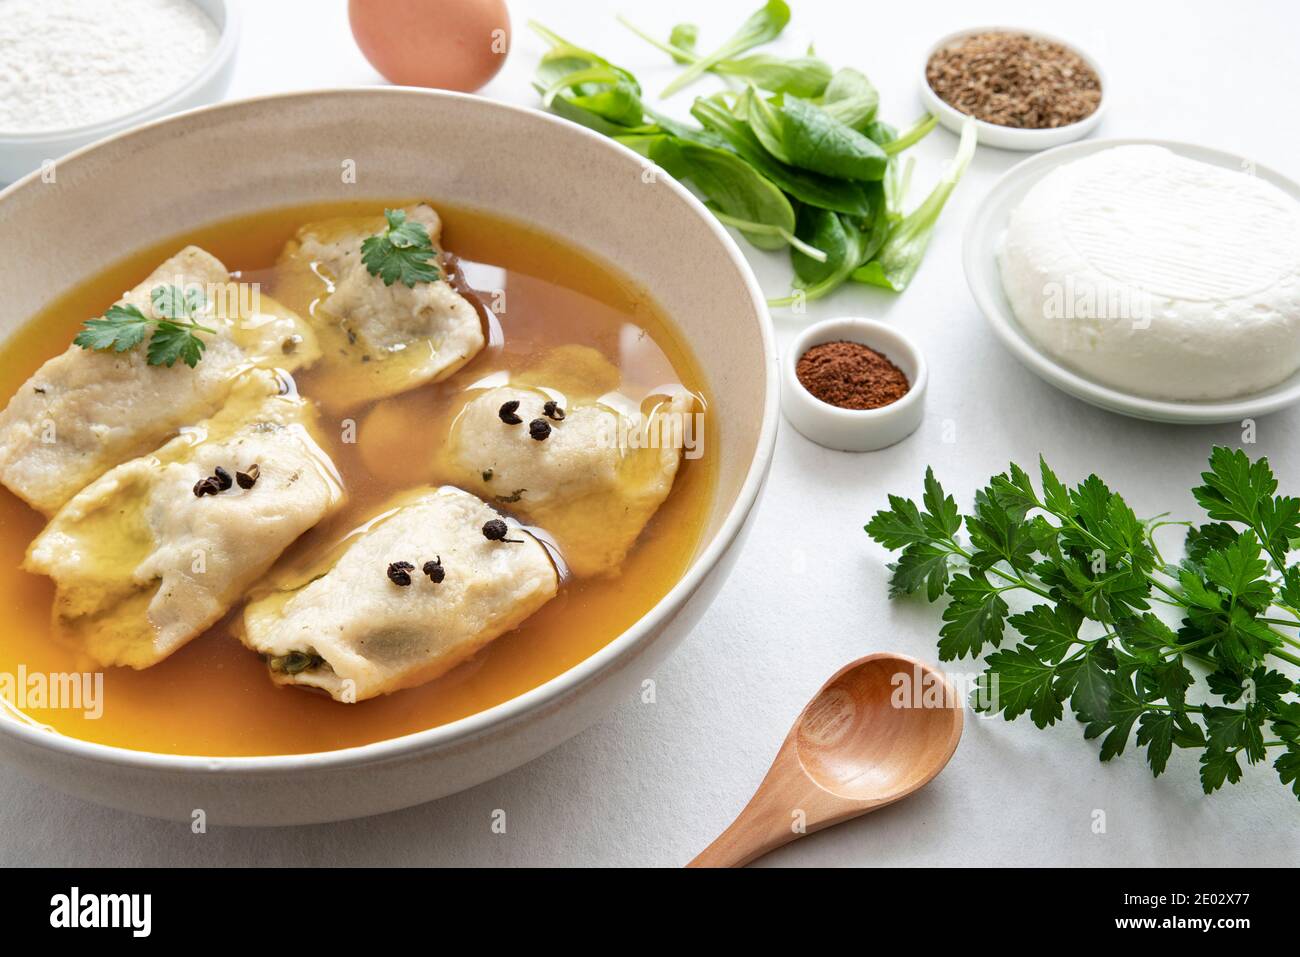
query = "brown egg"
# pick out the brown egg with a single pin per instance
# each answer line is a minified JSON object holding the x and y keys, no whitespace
{"x":447,"y":44}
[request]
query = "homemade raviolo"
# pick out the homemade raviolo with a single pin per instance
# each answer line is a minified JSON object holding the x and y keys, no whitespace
{"x":83,"y":412}
{"x":1158,"y":274}
{"x":378,"y":340}
{"x":142,"y":564}
{"x":355,"y":630}
{"x":597,"y":478}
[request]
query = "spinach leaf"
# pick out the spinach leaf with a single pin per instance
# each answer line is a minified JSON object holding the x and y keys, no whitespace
{"x":814,"y":140}
{"x":683,"y":36}
{"x":900,"y":256}
{"x":762,"y":26}
{"x":799,"y":76}
{"x":842,"y":241}
{"x":764,"y":119}
{"x":589,"y":86}
{"x":821,"y":191}
{"x":730,"y":185}
{"x":850,"y":98}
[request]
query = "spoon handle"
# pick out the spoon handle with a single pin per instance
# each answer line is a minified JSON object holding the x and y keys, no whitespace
{"x":775,"y":815}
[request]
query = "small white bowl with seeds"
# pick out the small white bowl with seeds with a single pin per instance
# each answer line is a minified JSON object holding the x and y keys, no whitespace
{"x":1027,"y":90}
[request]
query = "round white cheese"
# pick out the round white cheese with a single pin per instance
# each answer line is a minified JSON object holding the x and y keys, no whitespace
{"x":1158,"y":275}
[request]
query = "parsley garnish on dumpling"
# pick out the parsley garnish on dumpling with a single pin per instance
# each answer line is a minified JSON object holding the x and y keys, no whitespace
{"x":174,"y":330}
{"x":401,"y":253}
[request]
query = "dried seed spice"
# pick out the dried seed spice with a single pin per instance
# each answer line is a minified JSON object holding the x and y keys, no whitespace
{"x":496,"y":530}
{"x":224,"y":481}
{"x":248,"y":479}
{"x":507,"y":412}
{"x":539,"y":429}
{"x":434,"y":570}
{"x":552,"y":410}
{"x":399,"y":573}
{"x":1013,"y":79}
{"x":207,"y":486}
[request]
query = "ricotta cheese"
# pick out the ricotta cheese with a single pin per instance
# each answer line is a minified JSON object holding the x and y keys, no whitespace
{"x":1158,"y":275}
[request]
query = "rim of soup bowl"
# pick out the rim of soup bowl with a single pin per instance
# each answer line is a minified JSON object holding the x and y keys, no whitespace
{"x":535,"y":699}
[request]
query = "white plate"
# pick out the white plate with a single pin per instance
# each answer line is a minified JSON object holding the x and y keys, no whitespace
{"x":1010,"y":137}
{"x":979,"y":246}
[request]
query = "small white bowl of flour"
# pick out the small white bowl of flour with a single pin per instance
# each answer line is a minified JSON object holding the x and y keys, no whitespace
{"x":75,"y":71}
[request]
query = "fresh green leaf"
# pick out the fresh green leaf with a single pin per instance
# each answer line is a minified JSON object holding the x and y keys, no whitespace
{"x":813,"y":139}
{"x":684,"y":36}
{"x":121,"y":328}
{"x":798,"y":76}
{"x":762,"y":26}
{"x":401,"y":253}
{"x":1239,"y":571}
{"x":901,"y":255}
{"x":921,"y":565}
{"x":1218,"y":767}
{"x":1018,"y":680}
{"x":1050,"y":630}
{"x":825,"y":192}
{"x":171,"y":341}
{"x":1288,"y":767}
{"x":973,"y":619}
{"x":850,"y":98}
{"x":175,"y":332}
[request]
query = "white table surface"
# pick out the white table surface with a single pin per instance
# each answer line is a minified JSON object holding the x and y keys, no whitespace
{"x":652,"y":784}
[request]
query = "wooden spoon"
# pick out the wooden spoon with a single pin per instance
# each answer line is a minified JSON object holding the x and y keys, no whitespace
{"x":879,"y":729}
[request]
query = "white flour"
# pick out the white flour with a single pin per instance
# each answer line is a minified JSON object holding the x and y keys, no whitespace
{"x":66,"y":63}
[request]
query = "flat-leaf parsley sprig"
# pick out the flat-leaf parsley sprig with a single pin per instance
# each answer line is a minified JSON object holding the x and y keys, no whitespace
{"x":1083,"y":556}
{"x":401,"y":253}
{"x":174,"y":324}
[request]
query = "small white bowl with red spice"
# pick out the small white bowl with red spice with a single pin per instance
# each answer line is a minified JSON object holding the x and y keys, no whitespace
{"x":1069,"y":87}
{"x":846,"y":397}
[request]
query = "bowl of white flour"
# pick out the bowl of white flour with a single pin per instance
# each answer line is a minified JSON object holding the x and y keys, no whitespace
{"x":75,"y":71}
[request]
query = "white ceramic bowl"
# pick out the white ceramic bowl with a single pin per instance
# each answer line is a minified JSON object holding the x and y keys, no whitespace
{"x":855,"y":430}
{"x":1009,"y":137}
{"x":984,"y":230}
{"x":20,"y":153}
{"x":208,"y":165}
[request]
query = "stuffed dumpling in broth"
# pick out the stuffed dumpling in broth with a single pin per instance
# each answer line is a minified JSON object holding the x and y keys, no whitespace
{"x":159,"y":548}
{"x":85,"y":411}
{"x":426,"y":583}
{"x":387,"y":316}
{"x":556,"y":448}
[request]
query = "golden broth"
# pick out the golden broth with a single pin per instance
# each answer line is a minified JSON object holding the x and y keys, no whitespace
{"x":214,"y":697}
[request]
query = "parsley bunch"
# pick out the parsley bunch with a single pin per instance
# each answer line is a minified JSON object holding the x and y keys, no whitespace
{"x":1092,"y":638}
{"x":401,"y":253}
{"x":174,"y":323}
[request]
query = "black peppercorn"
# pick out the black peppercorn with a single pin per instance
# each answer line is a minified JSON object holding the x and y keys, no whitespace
{"x":224,"y":481}
{"x":206,"y":486}
{"x":399,"y":573}
{"x":247,"y":480}
{"x":434,"y":570}
{"x":552,"y":410}
{"x":539,"y":429}
{"x":496,"y":530}
{"x":507,"y":412}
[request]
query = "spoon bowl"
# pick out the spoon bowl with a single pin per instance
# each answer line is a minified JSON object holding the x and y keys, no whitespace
{"x":881,"y":728}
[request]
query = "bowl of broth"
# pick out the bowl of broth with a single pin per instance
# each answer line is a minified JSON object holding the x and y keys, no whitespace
{"x":479,"y":411}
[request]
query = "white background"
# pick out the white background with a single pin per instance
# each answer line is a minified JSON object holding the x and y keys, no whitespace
{"x":652,"y":784}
